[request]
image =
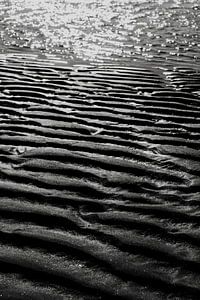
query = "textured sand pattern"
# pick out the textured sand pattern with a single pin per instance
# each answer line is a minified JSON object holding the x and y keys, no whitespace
{"x":99,"y":181}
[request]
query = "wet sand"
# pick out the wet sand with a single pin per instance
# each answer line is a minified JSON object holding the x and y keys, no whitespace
{"x":100,"y":173}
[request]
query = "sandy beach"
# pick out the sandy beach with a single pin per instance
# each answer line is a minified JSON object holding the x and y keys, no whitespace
{"x":99,"y":149}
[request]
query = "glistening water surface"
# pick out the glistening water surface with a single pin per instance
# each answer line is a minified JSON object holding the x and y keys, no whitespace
{"x":104,"y":30}
{"x":99,"y":150}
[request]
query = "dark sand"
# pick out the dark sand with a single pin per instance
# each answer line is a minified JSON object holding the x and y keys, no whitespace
{"x":100,"y":174}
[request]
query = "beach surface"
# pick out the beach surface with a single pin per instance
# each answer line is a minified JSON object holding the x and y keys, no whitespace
{"x":99,"y":149}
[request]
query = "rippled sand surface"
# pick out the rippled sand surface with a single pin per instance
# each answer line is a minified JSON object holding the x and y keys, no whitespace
{"x":99,"y":150}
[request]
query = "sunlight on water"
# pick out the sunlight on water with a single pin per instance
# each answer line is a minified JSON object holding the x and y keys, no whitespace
{"x":102,"y":30}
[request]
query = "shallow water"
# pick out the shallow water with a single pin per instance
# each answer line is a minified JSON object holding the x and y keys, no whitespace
{"x":159,"y":31}
{"x":99,"y":150}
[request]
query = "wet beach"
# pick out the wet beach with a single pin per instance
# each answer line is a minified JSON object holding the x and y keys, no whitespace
{"x":99,"y":149}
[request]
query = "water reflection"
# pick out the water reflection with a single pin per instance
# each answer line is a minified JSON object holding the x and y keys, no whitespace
{"x":103,"y":30}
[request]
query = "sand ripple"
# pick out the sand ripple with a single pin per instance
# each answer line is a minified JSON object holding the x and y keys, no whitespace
{"x":99,"y":181}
